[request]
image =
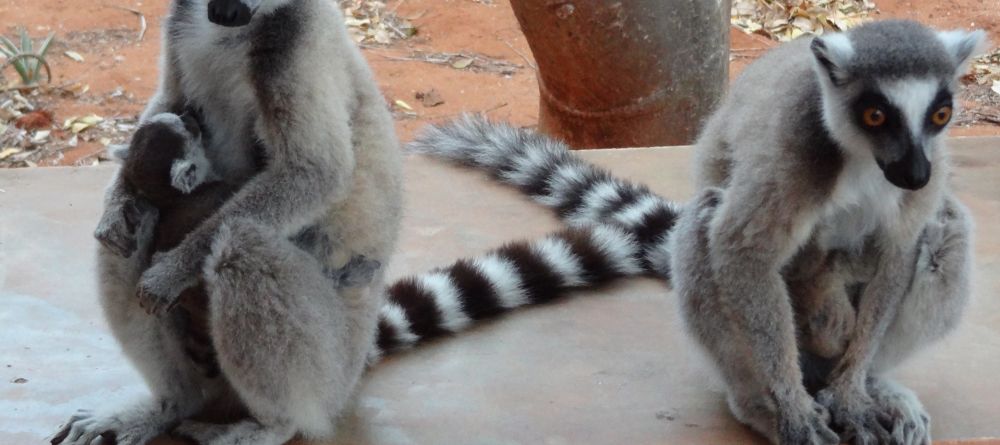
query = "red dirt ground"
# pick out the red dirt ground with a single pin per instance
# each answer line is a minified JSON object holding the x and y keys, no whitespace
{"x":113,"y":58}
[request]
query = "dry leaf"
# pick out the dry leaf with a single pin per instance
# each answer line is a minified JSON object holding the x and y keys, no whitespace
{"x":79,"y":124}
{"x":74,"y":55}
{"x":34,"y":120}
{"x":9,"y":151}
{"x":429,"y":98}
{"x":461,"y":63}
{"x":787,"y":19}
{"x":403,"y":105}
{"x":40,"y":136}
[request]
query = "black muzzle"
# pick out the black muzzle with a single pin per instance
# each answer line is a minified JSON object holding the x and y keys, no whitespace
{"x":912,"y":172}
{"x":230,"y":13}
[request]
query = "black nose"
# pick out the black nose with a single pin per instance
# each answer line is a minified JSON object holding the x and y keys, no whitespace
{"x":912,"y":172}
{"x":230,"y":13}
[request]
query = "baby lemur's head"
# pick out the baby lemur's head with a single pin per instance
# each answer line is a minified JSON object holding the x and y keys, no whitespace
{"x":887,"y":89}
{"x":166,"y":159}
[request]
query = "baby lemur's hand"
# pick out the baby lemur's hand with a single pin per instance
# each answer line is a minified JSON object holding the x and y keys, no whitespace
{"x":161,"y":285}
{"x":119,"y":224}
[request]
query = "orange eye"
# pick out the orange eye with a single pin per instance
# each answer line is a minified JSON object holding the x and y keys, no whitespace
{"x":873,"y":117}
{"x":942,"y":116}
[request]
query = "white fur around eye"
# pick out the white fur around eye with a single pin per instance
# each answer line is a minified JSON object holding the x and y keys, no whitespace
{"x":913,"y":97}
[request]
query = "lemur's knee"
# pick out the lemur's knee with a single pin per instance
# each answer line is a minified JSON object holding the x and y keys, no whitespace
{"x":242,"y":249}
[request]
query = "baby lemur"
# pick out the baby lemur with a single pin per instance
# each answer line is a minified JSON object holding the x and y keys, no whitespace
{"x":166,"y":167}
{"x":824,"y":246}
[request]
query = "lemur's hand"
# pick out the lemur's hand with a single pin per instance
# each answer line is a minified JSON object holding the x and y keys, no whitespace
{"x":161,"y":285}
{"x":119,"y":224}
{"x":855,"y":414}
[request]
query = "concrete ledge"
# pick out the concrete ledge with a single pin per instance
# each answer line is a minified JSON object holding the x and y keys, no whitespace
{"x":603,"y":367}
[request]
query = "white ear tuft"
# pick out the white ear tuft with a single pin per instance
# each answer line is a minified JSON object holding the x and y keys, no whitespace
{"x":833,"y":54}
{"x":963,"y":45}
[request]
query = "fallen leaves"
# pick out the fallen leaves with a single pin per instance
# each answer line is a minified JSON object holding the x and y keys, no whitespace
{"x":986,"y":70}
{"x":464,"y":60}
{"x":34,"y":120}
{"x":8,"y":152}
{"x":785,"y":20}
{"x":74,"y":55}
{"x":399,"y":103}
{"x":79,"y":124}
{"x":29,"y":135}
{"x":369,"y":22}
{"x":429,"y":98}
{"x":462,"y":63}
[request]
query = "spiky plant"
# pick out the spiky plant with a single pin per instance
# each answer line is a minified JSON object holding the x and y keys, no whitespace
{"x":27,"y":61}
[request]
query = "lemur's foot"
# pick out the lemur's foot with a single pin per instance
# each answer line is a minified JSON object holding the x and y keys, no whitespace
{"x":855,"y":415}
{"x":900,"y":408}
{"x":808,"y":425}
{"x":85,"y":428}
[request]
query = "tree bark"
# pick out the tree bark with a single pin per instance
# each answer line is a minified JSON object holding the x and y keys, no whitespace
{"x":627,"y":73}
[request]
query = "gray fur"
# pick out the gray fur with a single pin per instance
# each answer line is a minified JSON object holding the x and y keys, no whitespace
{"x":802,"y":261}
{"x":801,"y":175}
{"x":291,"y":341}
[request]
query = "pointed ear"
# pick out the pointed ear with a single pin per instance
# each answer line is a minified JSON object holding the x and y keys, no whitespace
{"x":833,"y":54}
{"x":963,"y":45}
{"x":118,"y":152}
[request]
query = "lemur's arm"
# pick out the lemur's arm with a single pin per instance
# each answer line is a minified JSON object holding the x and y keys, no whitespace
{"x":760,"y":225}
{"x":117,"y":227}
{"x":310,"y":167}
{"x":846,"y":396}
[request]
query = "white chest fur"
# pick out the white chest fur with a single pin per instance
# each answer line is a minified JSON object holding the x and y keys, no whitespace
{"x":213,"y":67}
{"x":863,"y":200}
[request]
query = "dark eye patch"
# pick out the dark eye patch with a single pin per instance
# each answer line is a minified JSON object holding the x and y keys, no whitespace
{"x":873,"y":99}
{"x":942,"y":99}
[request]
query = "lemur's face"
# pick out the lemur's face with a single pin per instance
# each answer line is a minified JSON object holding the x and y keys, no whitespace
{"x":168,"y":150}
{"x":888,"y":90}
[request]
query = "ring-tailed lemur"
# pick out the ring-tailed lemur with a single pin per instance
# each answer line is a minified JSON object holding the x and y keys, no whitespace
{"x":165,"y":164}
{"x":293,"y":117}
{"x":818,"y":212}
{"x":166,"y":167}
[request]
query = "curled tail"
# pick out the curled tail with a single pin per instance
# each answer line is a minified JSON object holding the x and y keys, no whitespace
{"x":554,"y":176}
{"x":448,"y":300}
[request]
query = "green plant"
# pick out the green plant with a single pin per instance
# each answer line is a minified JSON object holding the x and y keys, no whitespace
{"x":27,"y":62}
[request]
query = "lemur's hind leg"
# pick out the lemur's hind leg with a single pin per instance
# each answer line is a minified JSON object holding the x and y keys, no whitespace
{"x":791,"y":417}
{"x":290,"y":342}
{"x":155,"y":346}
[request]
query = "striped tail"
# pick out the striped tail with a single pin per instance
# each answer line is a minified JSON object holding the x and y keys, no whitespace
{"x":546,"y":170}
{"x":448,"y":300}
